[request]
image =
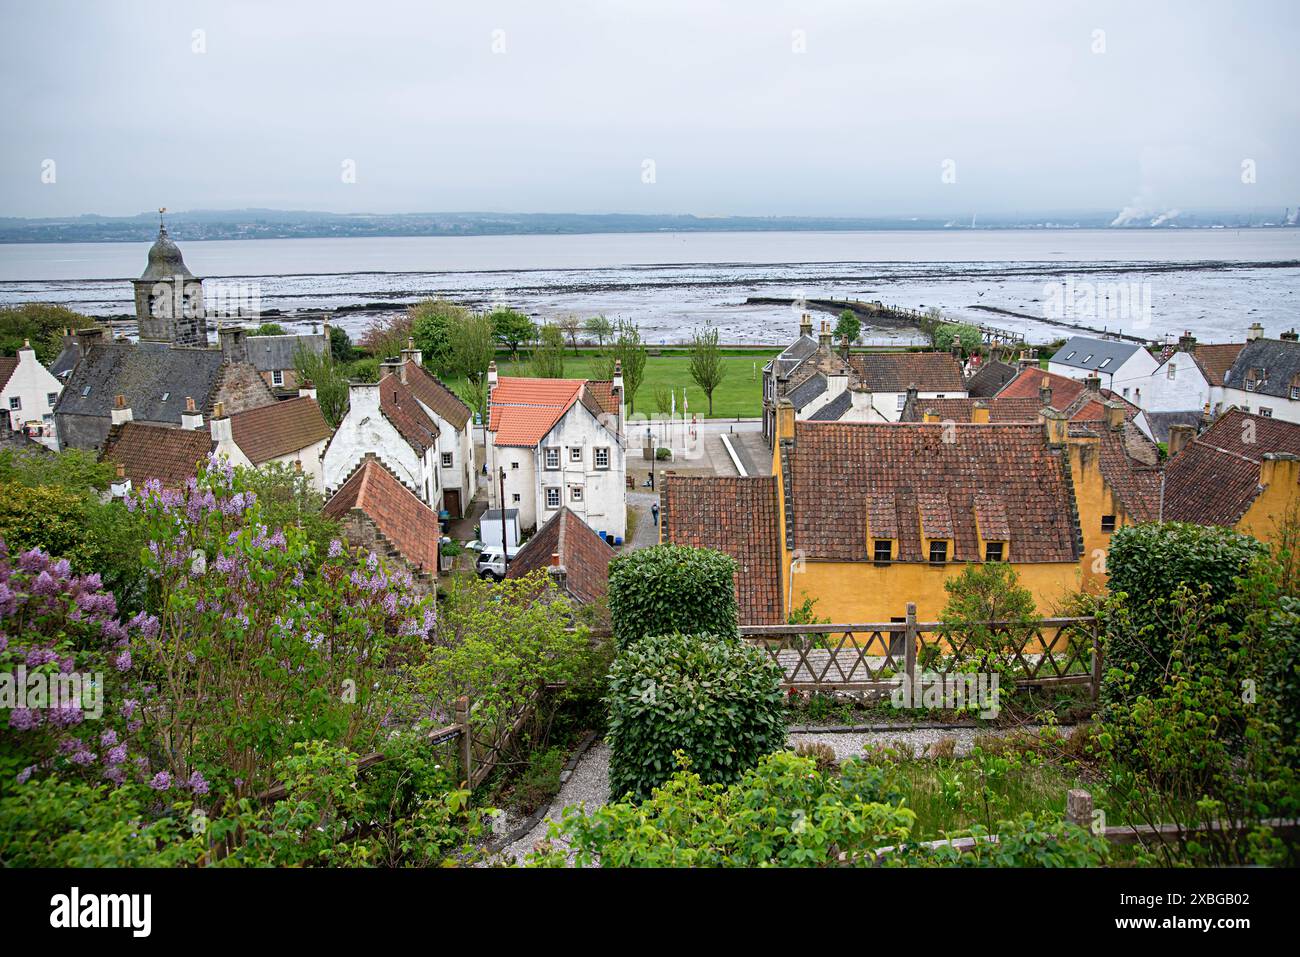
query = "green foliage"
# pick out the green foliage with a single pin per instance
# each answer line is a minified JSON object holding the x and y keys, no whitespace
{"x":43,"y":324}
{"x":267,"y":329}
{"x":548,"y":357}
{"x":287,"y":498}
{"x":473,"y":344}
{"x":968,"y":336}
{"x":990,"y":592}
{"x":432,"y":327}
{"x":1281,"y":677}
{"x":707,"y":367}
{"x":386,"y":336}
{"x":667,"y":588}
{"x":74,"y":470}
{"x":330,"y":380}
{"x":1147,"y":564}
{"x":713,"y":698}
{"x":849,"y":326}
{"x":631,"y":352}
{"x":341,"y":349}
{"x":512,"y":329}
{"x":600,"y":329}
{"x":364,"y":370}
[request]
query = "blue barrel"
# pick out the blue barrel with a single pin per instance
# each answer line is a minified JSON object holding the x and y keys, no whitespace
{"x":602,"y":536}
{"x":618,"y":540}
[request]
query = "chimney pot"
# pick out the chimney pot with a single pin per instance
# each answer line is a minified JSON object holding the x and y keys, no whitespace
{"x":1179,"y":438}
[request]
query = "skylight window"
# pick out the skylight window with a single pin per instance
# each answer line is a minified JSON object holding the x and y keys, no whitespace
{"x":85,"y":392}
{"x":1071,"y":355}
{"x":166,"y":396}
{"x":1087,"y":358}
{"x":1104,"y":362}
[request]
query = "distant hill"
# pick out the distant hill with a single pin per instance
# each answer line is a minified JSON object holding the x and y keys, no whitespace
{"x":291,"y":224}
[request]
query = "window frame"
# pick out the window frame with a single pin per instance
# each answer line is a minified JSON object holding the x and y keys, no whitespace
{"x":546,"y":497}
{"x":1110,"y":520}
{"x":1001,"y":547}
{"x":942,"y":545}
{"x":888,"y":544}
{"x":596,"y":453}
{"x":15,"y":403}
{"x":547,"y":452}
{"x":575,"y":454}
{"x":448,"y":460}
{"x":277,"y":377}
{"x":575,"y":493}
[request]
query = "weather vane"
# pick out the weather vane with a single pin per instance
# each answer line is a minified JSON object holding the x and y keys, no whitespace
{"x":161,"y":210}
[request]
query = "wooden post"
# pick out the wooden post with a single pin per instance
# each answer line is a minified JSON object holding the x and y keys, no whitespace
{"x":1078,"y":807}
{"x":1096,"y":662}
{"x":466,"y":741}
{"x":909,"y":649}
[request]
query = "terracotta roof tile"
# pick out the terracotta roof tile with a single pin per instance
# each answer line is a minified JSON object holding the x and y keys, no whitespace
{"x":281,"y":428}
{"x":7,"y":366}
{"x":835,"y":468}
{"x":1216,"y":358}
{"x":584,"y":557}
{"x":736,"y":516}
{"x":1214,"y":480}
{"x":434,"y":393}
{"x":156,"y":452}
{"x":898,"y":371}
{"x":603,"y":390}
{"x":408,"y":524}
{"x":963,"y":410}
{"x":523,"y":410}
{"x":991,"y":516}
{"x":399,"y":406}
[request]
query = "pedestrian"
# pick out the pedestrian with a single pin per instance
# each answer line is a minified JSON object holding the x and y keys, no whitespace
{"x":654,"y":511}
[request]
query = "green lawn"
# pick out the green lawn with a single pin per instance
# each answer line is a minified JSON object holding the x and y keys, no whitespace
{"x":739,"y":395}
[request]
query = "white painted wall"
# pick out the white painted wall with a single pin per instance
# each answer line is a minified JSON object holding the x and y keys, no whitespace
{"x":1135,"y":368}
{"x":365,"y":429}
{"x":1280,"y":408}
{"x":32,"y":385}
{"x":1186,"y":390}
{"x":889,"y":404}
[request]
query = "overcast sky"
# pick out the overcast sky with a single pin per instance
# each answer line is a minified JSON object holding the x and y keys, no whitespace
{"x":754,"y":107}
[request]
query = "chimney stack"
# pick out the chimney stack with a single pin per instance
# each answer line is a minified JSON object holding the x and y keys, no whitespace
{"x":805,"y":325}
{"x":233,"y":347}
{"x":911,"y":394}
{"x":1256,"y":331}
{"x":220,"y":425}
{"x":1115,"y":414}
{"x":1290,"y":336}
{"x":1093,"y":383}
{"x":120,"y":487}
{"x":824,"y":336}
{"x":307,"y":390}
{"x":1187,"y":342}
{"x":191,"y":418}
{"x":121,"y":412}
{"x":844,"y":348}
{"x":1056,"y":425}
{"x":1045,"y":393}
{"x":1180,"y":436}
{"x":412,"y":354}
{"x":979,"y":413}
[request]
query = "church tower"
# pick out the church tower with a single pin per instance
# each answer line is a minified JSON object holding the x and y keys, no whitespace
{"x":168,"y":297}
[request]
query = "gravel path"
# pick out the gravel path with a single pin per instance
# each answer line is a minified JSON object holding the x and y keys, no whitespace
{"x":589,"y":783}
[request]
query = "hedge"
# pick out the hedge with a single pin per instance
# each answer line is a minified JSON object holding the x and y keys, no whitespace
{"x":672,"y":588}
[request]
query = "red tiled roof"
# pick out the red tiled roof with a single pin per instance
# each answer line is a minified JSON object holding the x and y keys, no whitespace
{"x":603,"y":390}
{"x":1216,"y":358}
{"x":899,"y":371}
{"x":398,"y":404}
{"x":434,"y":393}
{"x":1026,"y":385}
{"x":1214,"y":480}
{"x":408,"y":524}
{"x":280,"y":428}
{"x":7,"y":366}
{"x":833,"y":468}
{"x":584,"y":557}
{"x":736,"y":516}
{"x":962,"y":410}
{"x":523,"y":410}
{"x":156,"y":452}
{"x":1129,"y":463}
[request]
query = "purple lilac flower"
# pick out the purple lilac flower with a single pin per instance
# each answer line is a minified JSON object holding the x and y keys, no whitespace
{"x":108,"y":739}
{"x":24,"y":719}
{"x":115,"y":774}
{"x":123,"y":661}
{"x":128,"y":707}
{"x":116,"y":755}
{"x":41,"y":656}
{"x":197,"y":784}
{"x":26,"y":773}
{"x":83,"y":758}
{"x":66,"y":715}
{"x":161,"y":781}
{"x":336,"y":548}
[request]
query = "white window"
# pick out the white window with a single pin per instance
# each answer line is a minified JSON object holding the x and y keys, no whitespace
{"x":514,"y":465}
{"x":15,"y":403}
{"x":1265,"y":412}
{"x":552,"y":458}
{"x":1087,"y":359}
{"x":51,"y":398}
{"x":1126,"y":393}
{"x":1170,"y":370}
{"x":277,"y":377}
{"x":515,"y":498}
{"x":1104,"y":362}
{"x":446,"y":460}
{"x":552,"y":497}
{"x":1070,"y":356}
{"x":902,"y":400}
{"x":575,"y":493}
{"x":1295,"y":392}
{"x":602,"y":458}
{"x":575,"y":453}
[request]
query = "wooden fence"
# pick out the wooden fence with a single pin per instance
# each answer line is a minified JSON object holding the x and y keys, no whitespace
{"x":871,"y":657}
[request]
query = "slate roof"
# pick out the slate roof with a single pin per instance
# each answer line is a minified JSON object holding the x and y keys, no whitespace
{"x":793,"y":354}
{"x":156,"y":452}
{"x":281,"y":428}
{"x":1096,"y":352}
{"x":737,"y":516}
{"x":409,"y":525}
{"x":522,"y":410}
{"x":898,"y":371}
{"x":1214,"y":480}
{"x":435,"y":394}
{"x":269,"y":353}
{"x":834,"y":410}
{"x":1161,"y":421}
{"x":398,"y":405}
{"x":989,"y":378}
{"x":834,"y":468}
{"x":1278,"y":358}
{"x":584,"y":557}
{"x":7,"y":366}
{"x":155,"y":379}
{"x":806,"y":391}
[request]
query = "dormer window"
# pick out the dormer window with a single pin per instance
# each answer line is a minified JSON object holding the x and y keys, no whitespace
{"x":1295,"y":389}
{"x":883,"y":551}
{"x":1254,"y":379}
{"x":995,"y":551}
{"x":938,"y":551}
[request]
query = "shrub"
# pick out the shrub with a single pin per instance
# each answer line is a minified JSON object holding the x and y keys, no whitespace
{"x":672,"y":588}
{"x":1147,"y":564}
{"x":822,"y":754}
{"x":715,"y":699}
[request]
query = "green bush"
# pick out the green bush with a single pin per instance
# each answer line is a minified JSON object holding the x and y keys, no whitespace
{"x":714,"y":698}
{"x":672,"y":588}
{"x":1147,"y":563}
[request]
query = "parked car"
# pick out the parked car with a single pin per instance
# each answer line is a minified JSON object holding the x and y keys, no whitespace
{"x":476,"y":545}
{"x":492,"y":564}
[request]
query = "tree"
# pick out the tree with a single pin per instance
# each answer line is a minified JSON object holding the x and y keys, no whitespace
{"x":386,"y":336}
{"x":989,"y":592}
{"x":967,"y":335}
{"x":570,"y":325}
{"x":601,"y":328}
{"x":512,"y":329}
{"x":849,"y":327}
{"x":268,"y":329}
{"x":663,"y":400}
{"x":707,"y":368}
{"x":474,"y":395}
{"x":432,"y":322}
{"x":631,"y":352}
{"x":548,"y":357}
{"x":41,"y":323}
{"x":330,"y":382}
{"x":473,"y":344}
{"x":341,"y":345}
